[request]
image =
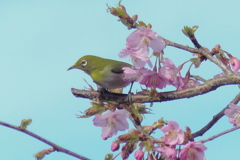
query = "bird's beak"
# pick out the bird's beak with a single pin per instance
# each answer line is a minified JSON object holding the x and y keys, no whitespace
{"x":71,"y":68}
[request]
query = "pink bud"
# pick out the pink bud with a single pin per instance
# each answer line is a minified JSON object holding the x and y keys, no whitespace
{"x":114,"y":146}
{"x":139,"y":154}
{"x":235,"y":63}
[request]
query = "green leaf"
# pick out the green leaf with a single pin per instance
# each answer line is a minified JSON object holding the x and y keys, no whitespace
{"x":25,"y":123}
{"x":188,"y":31}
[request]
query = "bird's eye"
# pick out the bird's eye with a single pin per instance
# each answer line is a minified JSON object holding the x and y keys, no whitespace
{"x":84,"y":62}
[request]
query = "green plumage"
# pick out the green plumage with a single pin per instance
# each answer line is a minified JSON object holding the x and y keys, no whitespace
{"x":106,"y":73}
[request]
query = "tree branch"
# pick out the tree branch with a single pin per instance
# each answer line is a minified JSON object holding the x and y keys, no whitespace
{"x":202,"y":52}
{"x":195,"y":42}
{"x":56,"y":147}
{"x":215,"y":119}
{"x":206,"y":87}
{"x":220,"y":134}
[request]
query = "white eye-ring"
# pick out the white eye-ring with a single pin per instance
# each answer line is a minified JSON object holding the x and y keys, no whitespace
{"x":84,"y":62}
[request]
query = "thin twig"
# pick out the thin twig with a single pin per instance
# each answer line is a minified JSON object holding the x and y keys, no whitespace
{"x":215,"y":119}
{"x":56,"y":147}
{"x":220,"y":134}
{"x":202,"y":52}
{"x":198,"y":78}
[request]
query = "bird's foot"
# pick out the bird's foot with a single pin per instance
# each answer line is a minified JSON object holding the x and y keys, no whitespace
{"x":103,"y":90}
{"x":129,"y":97}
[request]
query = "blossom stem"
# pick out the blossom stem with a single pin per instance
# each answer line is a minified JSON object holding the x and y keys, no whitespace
{"x":116,"y":156}
{"x":198,"y":78}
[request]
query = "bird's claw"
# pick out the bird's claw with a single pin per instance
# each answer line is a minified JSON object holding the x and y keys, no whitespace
{"x":103,"y":90}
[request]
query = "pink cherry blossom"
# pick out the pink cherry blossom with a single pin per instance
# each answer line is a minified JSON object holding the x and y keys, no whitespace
{"x":152,"y":79}
{"x":146,"y":37}
{"x":138,"y":59}
{"x":137,"y":46}
{"x":235,"y":63}
{"x":173,"y":134}
{"x":168,"y":152}
{"x":233,"y":112}
{"x":171,"y":72}
{"x":131,"y":74}
{"x":139,"y":154}
{"x":111,"y":122}
{"x":193,"y":151}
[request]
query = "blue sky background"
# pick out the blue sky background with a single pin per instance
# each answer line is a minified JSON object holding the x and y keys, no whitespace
{"x":41,"y":39}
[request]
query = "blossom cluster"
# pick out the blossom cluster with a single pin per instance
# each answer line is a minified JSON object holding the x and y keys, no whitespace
{"x":231,"y":62}
{"x":137,"y":50}
{"x":114,"y":121}
{"x":173,"y":136}
{"x":176,"y":136}
{"x":166,"y":73}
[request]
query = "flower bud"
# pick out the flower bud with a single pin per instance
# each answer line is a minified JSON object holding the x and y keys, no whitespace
{"x":41,"y":154}
{"x":108,"y":157}
{"x":119,"y":11}
{"x":124,"y":137}
{"x":188,"y":134}
{"x":216,"y":49}
{"x":113,"y":11}
{"x":235,"y":63}
{"x":114,"y":146}
{"x":125,"y":152}
{"x":139,"y":154}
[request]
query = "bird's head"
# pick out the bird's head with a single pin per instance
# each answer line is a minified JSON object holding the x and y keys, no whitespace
{"x":85,"y":63}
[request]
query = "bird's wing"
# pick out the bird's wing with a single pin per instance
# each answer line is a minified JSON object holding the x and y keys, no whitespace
{"x":117,"y":70}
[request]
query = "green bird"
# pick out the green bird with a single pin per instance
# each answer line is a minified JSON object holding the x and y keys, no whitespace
{"x":106,"y":73}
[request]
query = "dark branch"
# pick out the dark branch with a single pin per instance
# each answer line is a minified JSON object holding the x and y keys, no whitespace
{"x":56,"y":147}
{"x":215,"y":119}
{"x":206,"y":87}
{"x":195,"y":42}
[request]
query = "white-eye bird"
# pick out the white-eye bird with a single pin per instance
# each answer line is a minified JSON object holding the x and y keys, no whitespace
{"x":106,"y":73}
